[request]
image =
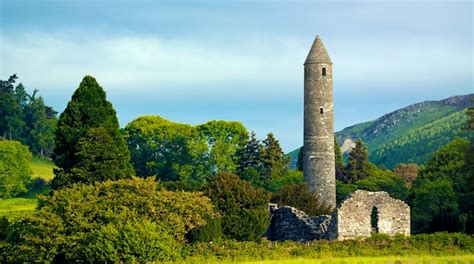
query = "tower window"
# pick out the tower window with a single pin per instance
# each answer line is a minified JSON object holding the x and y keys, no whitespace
{"x":324,"y":72}
{"x":321,"y":110}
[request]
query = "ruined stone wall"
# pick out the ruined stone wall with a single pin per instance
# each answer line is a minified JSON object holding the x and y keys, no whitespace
{"x":289,"y":223}
{"x":354,"y":215}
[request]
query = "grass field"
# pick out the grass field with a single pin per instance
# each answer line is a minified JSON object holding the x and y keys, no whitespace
{"x":25,"y":204}
{"x":42,"y":168}
{"x":365,"y":260}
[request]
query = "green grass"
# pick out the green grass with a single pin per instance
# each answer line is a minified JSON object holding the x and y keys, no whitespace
{"x":42,"y":168}
{"x":362,"y":260}
{"x":14,"y":208}
{"x":26,"y":203}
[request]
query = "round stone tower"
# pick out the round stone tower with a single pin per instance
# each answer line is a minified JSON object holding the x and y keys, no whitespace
{"x":318,"y":148}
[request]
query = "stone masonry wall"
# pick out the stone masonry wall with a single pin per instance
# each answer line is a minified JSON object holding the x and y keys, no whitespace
{"x":289,"y":223}
{"x":351,"y":220}
{"x":354,"y":215}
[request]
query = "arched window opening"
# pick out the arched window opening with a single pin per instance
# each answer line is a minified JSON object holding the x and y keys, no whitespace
{"x":321,"y":110}
{"x":324,"y":72}
{"x":374,"y":220}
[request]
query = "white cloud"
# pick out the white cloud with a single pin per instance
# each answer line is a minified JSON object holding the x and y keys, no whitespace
{"x":143,"y":62}
{"x":259,"y":64}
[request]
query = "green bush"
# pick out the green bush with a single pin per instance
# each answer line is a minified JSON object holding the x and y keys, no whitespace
{"x":131,"y":242}
{"x":210,"y":232}
{"x":101,"y":222}
{"x":243,"y":207}
{"x":4,"y":224}
{"x":15,"y":172}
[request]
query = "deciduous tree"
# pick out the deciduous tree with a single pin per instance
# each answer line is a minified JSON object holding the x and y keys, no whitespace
{"x":15,"y":172}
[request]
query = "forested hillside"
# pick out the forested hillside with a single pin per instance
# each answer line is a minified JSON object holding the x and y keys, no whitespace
{"x":410,"y":134}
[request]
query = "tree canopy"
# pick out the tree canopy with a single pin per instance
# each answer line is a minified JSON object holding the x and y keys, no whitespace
{"x":25,"y":117}
{"x":441,"y":191}
{"x":15,"y":172}
{"x":88,"y":111}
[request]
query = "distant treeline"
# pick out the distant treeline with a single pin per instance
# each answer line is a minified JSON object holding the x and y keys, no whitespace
{"x":26,"y":118}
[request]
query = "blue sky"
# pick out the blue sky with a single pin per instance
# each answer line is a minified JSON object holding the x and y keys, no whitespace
{"x":194,"y":61}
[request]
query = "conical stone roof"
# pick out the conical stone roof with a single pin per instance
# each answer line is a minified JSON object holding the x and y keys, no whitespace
{"x":318,"y":53}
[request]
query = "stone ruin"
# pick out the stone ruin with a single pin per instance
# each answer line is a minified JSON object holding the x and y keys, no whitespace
{"x":356,"y":212}
{"x":361,"y":214}
{"x":289,"y":223}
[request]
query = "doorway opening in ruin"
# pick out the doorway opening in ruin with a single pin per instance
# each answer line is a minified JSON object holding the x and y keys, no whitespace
{"x":374,"y":220}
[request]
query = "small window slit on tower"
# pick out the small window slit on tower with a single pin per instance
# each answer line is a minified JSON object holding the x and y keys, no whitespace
{"x":321,"y":110}
{"x":324,"y":72}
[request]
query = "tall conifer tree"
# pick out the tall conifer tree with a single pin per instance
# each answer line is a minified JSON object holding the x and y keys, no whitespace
{"x":358,"y":166}
{"x":87,"y":111}
{"x":338,"y":159}
{"x":11,"y":115}
{"x":273,"y":159}
{"x":248,"y":156}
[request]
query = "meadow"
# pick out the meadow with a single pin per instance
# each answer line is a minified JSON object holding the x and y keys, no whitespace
{"x":365,"y":260}
{"x":26,"y":203}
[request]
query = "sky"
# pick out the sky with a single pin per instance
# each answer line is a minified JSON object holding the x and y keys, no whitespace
{"x":195,"y":61}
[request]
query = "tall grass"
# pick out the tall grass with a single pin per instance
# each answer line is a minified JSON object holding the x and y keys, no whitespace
{"x":372,"y":260}
{"x":378,"y":246}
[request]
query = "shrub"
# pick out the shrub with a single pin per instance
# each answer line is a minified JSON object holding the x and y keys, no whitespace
{"x":89,"y":222}
{"x":130,"y":242}
{"x":15,"y":172}
{"x":210,"y":232}
{"x":3,"y":228}
{"x":298,"y":195}
{"x":243,"y":207}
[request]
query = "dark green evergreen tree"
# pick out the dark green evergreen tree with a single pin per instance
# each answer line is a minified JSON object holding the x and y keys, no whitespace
{"x":38,"y":132}
{"x":248,"y":163}
{"x":11,"y":116}
{"x":338,"y":160}
{"x":88,"y":110}
{"x":243,"y":207}
{"x":248,"y":156}
{"x":273,"y":159}
{"x":358,"y":166}
{"x":22,"y":95}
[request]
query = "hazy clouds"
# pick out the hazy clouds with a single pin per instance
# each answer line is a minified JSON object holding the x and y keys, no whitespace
{"x":240,"y":61}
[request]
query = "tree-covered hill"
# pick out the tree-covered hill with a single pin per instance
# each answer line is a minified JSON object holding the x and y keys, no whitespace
{"x":410,"y":134}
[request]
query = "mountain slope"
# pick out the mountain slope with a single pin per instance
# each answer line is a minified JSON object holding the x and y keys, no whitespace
{"x":409,"y":134}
